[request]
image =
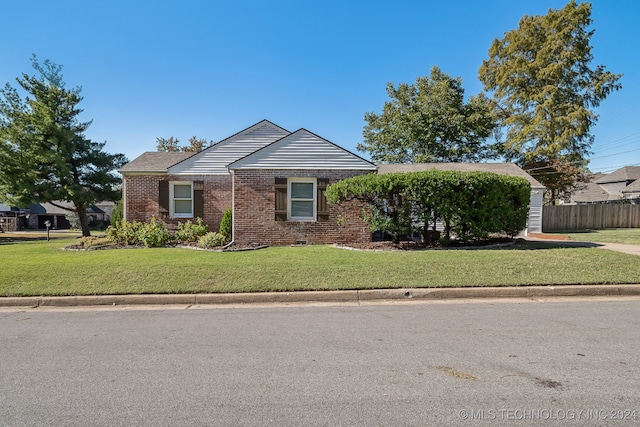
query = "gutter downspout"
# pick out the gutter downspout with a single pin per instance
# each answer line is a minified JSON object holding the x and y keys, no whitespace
{"x":233,"y":210}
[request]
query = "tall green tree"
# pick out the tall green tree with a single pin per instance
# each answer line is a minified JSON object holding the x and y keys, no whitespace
{"x":429,"y":121}
{"x":44,"y":154}
{"x":546,"y":90}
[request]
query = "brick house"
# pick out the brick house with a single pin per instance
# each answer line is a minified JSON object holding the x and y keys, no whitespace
{"x":273,"y":180}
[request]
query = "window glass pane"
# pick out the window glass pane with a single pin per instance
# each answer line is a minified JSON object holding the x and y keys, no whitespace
{"x":182,"y":191}
{"x":301,"y":209}
{"x":302,"y":190}
{"x":182,"y":206}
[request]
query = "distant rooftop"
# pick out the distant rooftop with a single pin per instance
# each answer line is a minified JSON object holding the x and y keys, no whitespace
{"x":624,"y":174}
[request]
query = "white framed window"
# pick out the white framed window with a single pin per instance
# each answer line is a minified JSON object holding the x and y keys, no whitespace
{"x":301,"y":203}
{"x":181,"y":199}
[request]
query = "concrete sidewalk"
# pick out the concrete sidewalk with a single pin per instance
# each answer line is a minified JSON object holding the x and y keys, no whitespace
{"x":617,"y":247}
{"x":352,"y":296}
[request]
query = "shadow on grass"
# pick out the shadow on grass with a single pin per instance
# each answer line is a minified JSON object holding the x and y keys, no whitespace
{"x":7,"y":239}
{"x":522,"y":244}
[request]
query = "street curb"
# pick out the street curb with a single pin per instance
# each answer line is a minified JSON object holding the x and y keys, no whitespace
{"x":353,"y":296}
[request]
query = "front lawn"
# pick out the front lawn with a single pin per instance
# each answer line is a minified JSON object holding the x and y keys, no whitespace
{"x":629,"y":236}
{"x":42,"y":268}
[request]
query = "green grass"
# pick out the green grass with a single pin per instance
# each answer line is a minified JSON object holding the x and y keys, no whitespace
{"x":629,"y":236}
{"x":42,"y":268}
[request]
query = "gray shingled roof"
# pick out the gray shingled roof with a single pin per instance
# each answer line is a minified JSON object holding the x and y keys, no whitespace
{"x":627,"y":173}
{"x":154,"y":161}
{"x":591,"y":192}
{"x":48,"y":208}
{"x":634,"y":187}
{"x":500,"y":168}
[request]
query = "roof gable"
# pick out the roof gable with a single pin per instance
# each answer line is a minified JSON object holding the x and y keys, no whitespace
{"x":302,"y":150}
{"x":215,"y":159}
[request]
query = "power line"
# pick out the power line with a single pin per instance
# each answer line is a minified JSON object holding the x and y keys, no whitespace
{"x":610,"y":169}
{"x":619,"y":139}
{"x":620,"y":114}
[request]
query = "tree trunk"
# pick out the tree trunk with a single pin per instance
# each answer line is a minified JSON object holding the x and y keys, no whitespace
{"x":81,"y":211}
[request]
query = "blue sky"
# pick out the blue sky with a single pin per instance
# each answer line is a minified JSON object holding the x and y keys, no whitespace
{"x":211,"y":68}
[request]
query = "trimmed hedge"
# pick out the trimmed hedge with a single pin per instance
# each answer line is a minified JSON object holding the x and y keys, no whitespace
{"x":470,"y":205}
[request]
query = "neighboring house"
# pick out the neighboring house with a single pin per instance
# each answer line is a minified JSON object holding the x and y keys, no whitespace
{"x":632,"y":192}
{"x":615,"y":182}
{"x":534,"y":221}
{"x":8,"y":219}
{"x":36,"y":216}
{"x":273,"y":180}
{"x":106,"y":207}
{"x":39,"y":213}
{"x":608,"y":188}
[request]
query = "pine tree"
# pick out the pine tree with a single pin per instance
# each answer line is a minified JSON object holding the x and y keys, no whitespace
{"x":44,"y":154}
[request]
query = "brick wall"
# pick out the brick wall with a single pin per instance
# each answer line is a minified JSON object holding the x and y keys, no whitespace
{"x":142,"y":191}
{"x":254,"y":212}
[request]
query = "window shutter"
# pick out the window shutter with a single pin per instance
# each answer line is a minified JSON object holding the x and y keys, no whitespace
{"x":281,"y":199}
{"x":323,"y":206}
{"x":198,"y":199}
{"x":163,"y":198}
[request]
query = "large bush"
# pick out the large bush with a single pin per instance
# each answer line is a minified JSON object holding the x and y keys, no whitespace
{"x":470,"y":205}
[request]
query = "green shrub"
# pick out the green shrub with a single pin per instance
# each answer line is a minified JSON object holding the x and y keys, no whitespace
{"x":212,"y":240}
{"x":226,"y":225}
{"x":153,"y":234}
{"x":116,"y":213}
{"x":190,"y":232}
{"x":90,"y":241}
{"x":124,"y":232}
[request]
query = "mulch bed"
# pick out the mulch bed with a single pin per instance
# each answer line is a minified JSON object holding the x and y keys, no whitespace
{"x":495,"y":242}
{"x":418,"y":246}
{"x":183,"y":245}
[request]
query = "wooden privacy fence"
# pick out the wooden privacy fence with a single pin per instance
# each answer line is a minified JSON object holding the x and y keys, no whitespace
{"x":8,"y":223}
{"x":576,"y":217}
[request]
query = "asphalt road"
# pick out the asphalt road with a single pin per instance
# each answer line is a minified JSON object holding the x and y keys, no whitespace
{"x":569,"y":362}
